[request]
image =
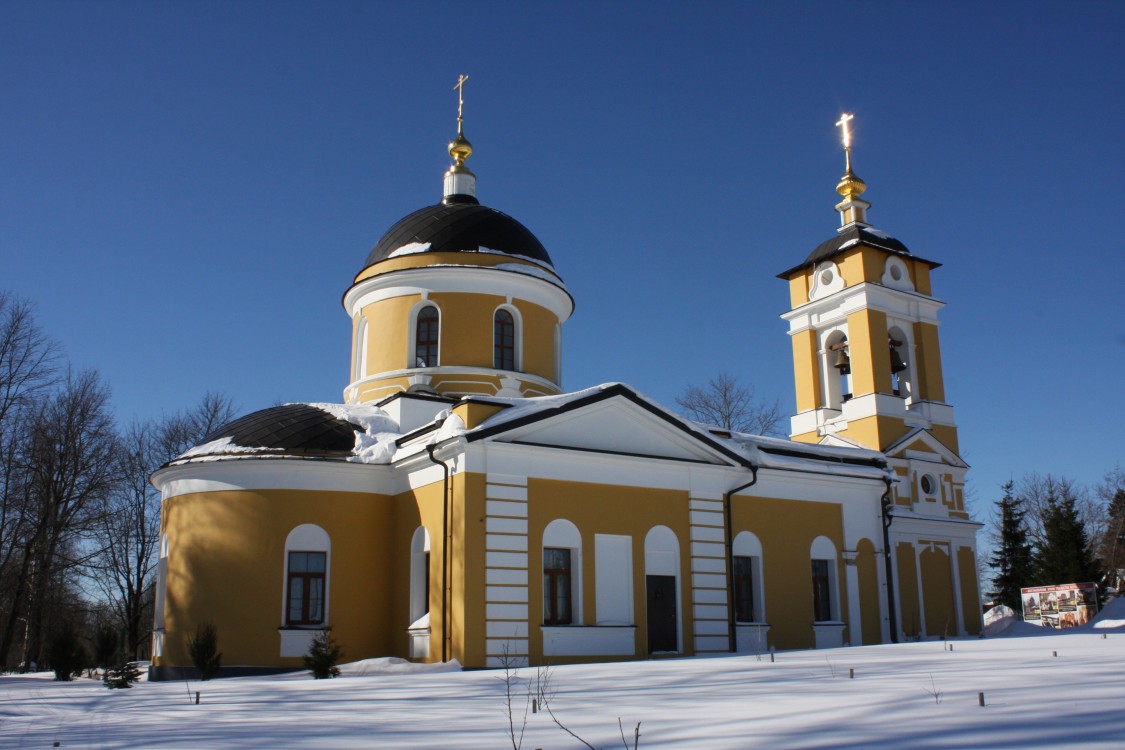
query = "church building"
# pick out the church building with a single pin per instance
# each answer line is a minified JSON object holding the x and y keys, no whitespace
{"x":459,"y":504}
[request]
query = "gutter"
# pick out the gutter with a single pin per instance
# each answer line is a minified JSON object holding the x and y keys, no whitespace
{"x":445,"y":522}
{"x":732,"y":635}
{"x":887,"y":519}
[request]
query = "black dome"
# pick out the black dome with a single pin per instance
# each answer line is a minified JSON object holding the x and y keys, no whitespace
{"x":460,"y":225}
{"x":292,"y":428}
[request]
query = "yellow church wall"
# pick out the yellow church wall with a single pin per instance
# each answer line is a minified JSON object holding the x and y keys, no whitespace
{"x":231,"y":545}
{"x":468,"y":577}
{"x":799,"y":286}
{"x":421,"y":506}
{"x":786,"y":529}
{"x":466,"y":334}
{"x":806,"y":373}
{"x":875,"y":431}
{"x":867,"y":562}
{"x":947,"y":435}
{"x":911,"y":619}
{"x":538,"y":339}
{"x":970,"y":593}
{"x":920,"y":275}
{"x":937,"y":591}
{"x":388,"y":345}
{"x":930,"y":382}
{"x":867,"y":343}
{"x":473,"y":414}
{"x":606,"y":509}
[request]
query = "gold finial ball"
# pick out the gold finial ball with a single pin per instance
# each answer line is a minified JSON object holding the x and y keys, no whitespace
{"x":850,"y":186}
{"x":460,"y":149}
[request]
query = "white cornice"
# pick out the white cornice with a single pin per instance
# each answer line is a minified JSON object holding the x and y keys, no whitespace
{"x":274,"y":474}
{"x":465,"y":279}
{"x":447,"y":370}
{"x":836,"y":307}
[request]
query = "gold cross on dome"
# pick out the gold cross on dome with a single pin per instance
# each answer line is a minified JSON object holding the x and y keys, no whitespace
{"x":844,"y":130}
{"x":460,"y":98}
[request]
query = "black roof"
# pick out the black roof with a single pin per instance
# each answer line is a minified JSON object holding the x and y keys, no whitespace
{"x":292,"y":428}
{"x":460,"y":224}
{"x":853,"y":235}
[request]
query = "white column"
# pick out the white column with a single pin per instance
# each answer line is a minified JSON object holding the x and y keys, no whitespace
{"x":855,"y":619}
{"x":506,"y":571}
{"x":709,"y":550}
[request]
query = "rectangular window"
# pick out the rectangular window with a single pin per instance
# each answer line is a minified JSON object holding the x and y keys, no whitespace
{"x":556,"y":586}
{"x":744,"y":589}
{"x":822,"y":591}
{"x":306,"y":588}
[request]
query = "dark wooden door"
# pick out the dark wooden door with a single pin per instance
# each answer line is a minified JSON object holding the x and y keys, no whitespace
{"x":661,"y":613}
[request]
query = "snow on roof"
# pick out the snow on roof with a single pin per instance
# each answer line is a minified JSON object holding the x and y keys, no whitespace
{"x":376,"y":433}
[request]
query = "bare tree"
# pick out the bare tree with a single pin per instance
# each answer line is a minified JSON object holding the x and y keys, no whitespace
{"x":67,"y":463}
{"x":28,"y":370}
{"x":726,"y":403}
{"x":187,"y":429}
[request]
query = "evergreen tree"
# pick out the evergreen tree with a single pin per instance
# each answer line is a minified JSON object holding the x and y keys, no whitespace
{"x":122,"y":675}
{"x":204,"y":651}
{"x":1014,"y":558}
{"x":323,"y":655}
{"x":1065,"y":555}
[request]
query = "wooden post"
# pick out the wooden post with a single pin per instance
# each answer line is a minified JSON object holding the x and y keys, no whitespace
{"x":980,"y":699}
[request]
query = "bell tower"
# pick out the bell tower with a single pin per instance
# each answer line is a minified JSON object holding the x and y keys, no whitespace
{"x":864,"y":328}
{"x":867,"y":366}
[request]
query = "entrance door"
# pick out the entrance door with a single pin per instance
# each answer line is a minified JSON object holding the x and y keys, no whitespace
{"x":661,"y":613}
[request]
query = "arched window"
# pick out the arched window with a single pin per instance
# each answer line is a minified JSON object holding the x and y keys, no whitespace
{"x":562,"y":573}
{"x":749,"y":602}
{"x":504,"y":340}
{"x":837,"y":370}
{"x":419,"y":575}
{"x":426,"y":333}
{"x":306,"y":576}
{"x":900,"y":363}
{"x":662,"y":586}
{"x":826,"y":604}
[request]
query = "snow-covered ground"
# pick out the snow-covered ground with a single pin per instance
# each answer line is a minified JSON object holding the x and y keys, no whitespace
{"x":914,"y":695}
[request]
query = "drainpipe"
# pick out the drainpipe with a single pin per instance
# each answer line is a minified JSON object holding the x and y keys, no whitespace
{"x":444,"y":551}
{"x":732,"y":636}
{"x":887,"y":518}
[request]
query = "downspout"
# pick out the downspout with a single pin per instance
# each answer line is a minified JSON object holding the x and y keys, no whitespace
{"x":430,"y":448}
{"x":887,"y":518}
{"x":732,"y":636}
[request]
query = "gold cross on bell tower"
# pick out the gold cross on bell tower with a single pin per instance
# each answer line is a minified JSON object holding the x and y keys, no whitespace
{"x":460,"y":148}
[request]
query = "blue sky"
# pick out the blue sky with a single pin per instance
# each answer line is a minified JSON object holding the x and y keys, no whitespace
{"x":188,"y":188}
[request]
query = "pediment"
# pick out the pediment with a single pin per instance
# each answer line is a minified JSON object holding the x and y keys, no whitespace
{"x":922,"y":444}
{"x":619,"y":424}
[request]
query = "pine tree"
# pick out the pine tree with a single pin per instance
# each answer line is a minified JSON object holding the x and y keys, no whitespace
{"x":204,"y":651}
{"x":1014,"y":558}
{"x":1065,"y":555}
{"x":122,"y":675}
{"x":1113,"y":543}
{"x":323,"y":655}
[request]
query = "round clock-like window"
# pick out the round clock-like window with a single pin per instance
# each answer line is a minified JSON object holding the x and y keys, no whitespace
{"x":929,"y":485}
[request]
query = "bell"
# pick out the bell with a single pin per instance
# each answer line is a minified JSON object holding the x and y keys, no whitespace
{"x":842,"y":363}
{"x":897,"y":365}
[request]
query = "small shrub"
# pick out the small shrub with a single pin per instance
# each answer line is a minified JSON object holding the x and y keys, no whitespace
{"x":122,"y":675}
{"x":204,"y":651}
{"x":68,"y":655}
{"x":323,"y":656}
